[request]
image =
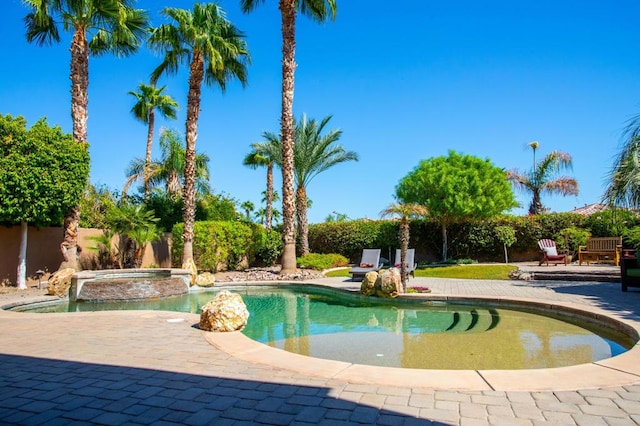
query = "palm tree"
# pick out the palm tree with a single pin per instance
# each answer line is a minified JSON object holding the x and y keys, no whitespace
{"x":405,"y":211}
{"x":169,"y":170}
{"x":215,"y":51}
{"x":318,"y":10}
{"x":148,"y":99}
{"x":248,"y":207}
{"x":98,"y":27}
{"x":262,"y":155}
{"x":314,"y":153}
{"x":624,"y":177}
{"x":542,"y":178}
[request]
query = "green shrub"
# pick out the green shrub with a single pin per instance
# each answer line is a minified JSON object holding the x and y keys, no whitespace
{"x":322,"y":261}
{"x":571,"y":238}
{"x":268,"y":246}
{"x":611,"y":223}
{"x":216,"y":245}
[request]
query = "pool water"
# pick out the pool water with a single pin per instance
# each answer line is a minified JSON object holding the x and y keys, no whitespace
{"x":397,"y":333}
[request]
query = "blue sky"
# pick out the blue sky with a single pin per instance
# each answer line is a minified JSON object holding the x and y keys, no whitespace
{"x":404,"y":82}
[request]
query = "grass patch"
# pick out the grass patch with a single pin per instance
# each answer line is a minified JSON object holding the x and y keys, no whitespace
{"x":476,"y":272}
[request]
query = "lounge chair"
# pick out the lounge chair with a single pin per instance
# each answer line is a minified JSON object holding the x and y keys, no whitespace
{"x":550,"y":253}
{"x":409,"y":261}
{"x":370,"y":261}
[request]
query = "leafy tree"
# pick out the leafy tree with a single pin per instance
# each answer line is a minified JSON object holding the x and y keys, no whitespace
{"x":543,"y":178}
{"x":94,"y":204}
{"x":319,"y":10}
{"x":507,"y":236}
{"x":98,"y":27}
{"x":42,"y":174}
{"x":169,"y":170}
{"x":148,"y":99}
{"x":216,"y":53}
{"x":455,"y":188}
{"x":405,"y":212}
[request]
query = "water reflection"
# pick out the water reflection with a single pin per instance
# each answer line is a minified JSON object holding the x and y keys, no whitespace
{"x":389,"y":333}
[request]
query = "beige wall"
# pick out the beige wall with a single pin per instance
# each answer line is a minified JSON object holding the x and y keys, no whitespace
{"x":43,"y":250}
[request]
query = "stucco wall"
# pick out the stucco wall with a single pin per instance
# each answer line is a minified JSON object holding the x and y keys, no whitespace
{"x":43,"y":250}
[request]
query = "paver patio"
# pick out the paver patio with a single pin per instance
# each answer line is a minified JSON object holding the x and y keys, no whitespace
{"x":143,"y":367}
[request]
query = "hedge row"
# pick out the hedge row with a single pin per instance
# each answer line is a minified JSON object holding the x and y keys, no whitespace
{"x":473,"y":240}
{"x":222,"y":245}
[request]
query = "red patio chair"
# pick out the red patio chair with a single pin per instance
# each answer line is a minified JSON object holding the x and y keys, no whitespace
{"x":550,"y":253}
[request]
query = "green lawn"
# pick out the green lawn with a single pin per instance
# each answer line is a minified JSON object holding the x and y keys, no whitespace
{"x":478,"y":272}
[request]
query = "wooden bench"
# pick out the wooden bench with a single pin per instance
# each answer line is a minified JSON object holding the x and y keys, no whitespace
{"x":601,"y":249}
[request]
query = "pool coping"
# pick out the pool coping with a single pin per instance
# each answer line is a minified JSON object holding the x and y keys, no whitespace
{"x":620,"y":370}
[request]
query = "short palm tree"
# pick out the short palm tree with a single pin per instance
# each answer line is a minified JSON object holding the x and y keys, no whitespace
{"x":404,"y":211}
{"x":98,"y":27}
{"x":148,"y":99}
{"x":623,"y":187}
{"x":314,"y":153}
{"x":216,"y":53}
{"x":543,"y":178}
{"x":320,"y":11}
{"x":169,"y":170}
{"x":262,"y":155}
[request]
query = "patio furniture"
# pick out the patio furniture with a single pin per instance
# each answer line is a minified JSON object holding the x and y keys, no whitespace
{"x":550,"y":253}
{"x":370,"y":261}
{"x":629,"y":269}
{"x":409,"y":261}
{"x":601,"y":249}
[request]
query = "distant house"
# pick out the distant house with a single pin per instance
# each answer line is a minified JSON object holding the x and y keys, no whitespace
{"x":589,"y":209}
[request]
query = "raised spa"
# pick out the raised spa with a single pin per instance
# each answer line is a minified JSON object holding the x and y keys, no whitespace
{"x":325,"y":323}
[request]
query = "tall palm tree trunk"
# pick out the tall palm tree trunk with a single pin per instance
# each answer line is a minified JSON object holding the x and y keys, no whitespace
{"x":269,"y":208}
{"x":79,"y":85}
{"x":403,"y":236}
{"x":196,"y":77}
{"x":288,"y":12}
{"x":303,"y":224}
{"x":444,"y":240}
{"x":79,"y":114}
{"x":147,"y":158}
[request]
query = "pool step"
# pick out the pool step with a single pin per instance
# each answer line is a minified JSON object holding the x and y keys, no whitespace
{"x":577,"y":276}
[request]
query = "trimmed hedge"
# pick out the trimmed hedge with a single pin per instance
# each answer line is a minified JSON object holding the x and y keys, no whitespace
{"x":222,"y":245}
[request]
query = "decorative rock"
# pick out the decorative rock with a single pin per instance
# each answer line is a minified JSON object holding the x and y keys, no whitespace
{"x":226,"y":312}
{"x":389,"y":284}
{"x":60,"y":282}
{"x":519,"y":274}
{"x":205,"y":279}
{"x":368,"y":286}
{"x":191,"y":266}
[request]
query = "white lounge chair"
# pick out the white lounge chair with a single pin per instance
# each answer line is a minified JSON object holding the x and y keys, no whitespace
{"x":370,"y":261}
{"x":409,"y":261}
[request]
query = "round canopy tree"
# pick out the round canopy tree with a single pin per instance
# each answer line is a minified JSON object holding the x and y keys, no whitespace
{"x":42,"y":175}
{"x":455,"y":188}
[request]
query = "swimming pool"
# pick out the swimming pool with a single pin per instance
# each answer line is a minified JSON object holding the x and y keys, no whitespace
{"x":325,"y":323}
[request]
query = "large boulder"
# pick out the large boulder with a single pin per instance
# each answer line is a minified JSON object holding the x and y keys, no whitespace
{"x":190,"y":265}
{"x":368,"y":286}
{"x":206,"y":279}
{"x":389,"y":283}
{"x":59,"y":283}
{"x":226,"y":312}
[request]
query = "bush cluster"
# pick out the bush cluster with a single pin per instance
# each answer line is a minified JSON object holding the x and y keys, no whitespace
{"x":223,"y":245}
{"x":322,"y":261}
